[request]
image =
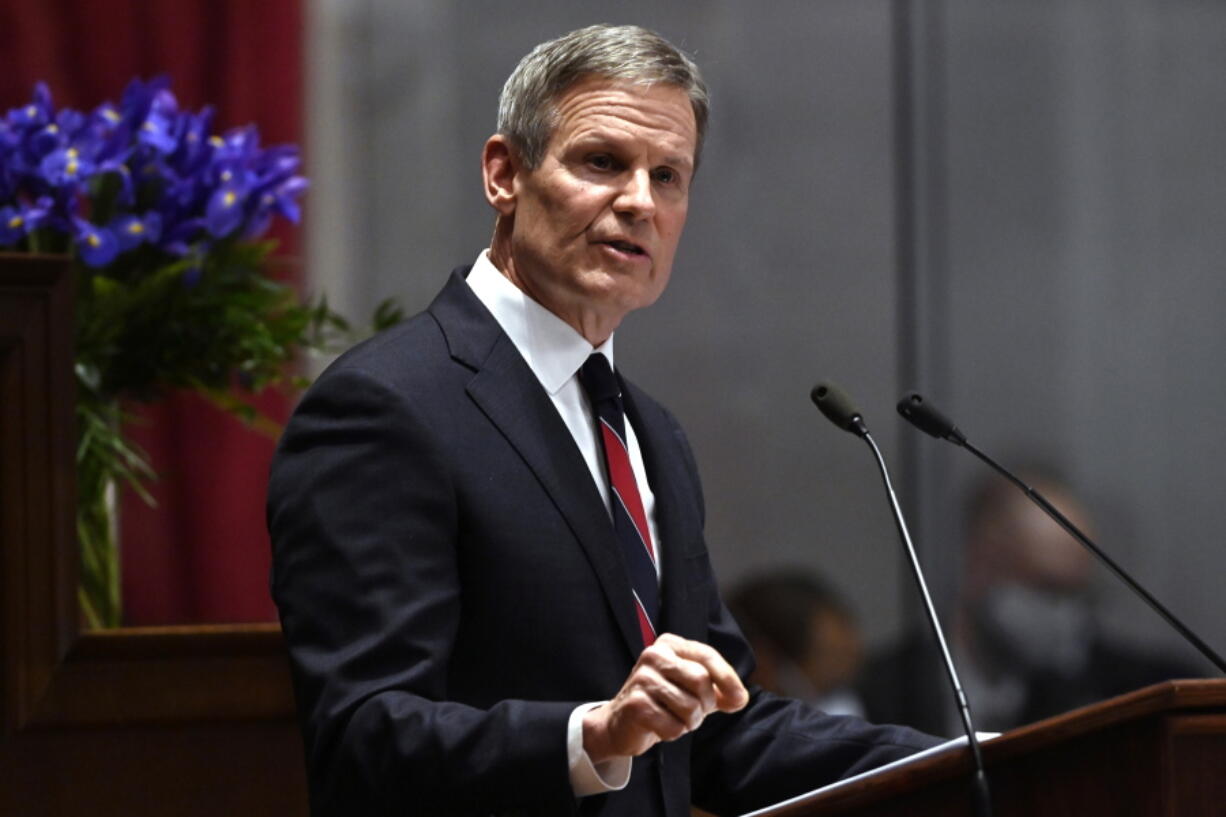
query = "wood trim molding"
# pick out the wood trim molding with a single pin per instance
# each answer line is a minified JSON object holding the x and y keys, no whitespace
{"x":53,"y":674}
{"x":170,"y":675}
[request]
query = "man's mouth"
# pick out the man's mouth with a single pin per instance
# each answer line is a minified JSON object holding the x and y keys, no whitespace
{"x":627,"y":247}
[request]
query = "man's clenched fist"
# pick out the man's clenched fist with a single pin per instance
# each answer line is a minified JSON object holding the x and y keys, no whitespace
{"x":674,"y":685}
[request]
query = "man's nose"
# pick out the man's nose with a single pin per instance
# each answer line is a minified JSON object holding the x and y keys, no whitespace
{"x":636,"y":197}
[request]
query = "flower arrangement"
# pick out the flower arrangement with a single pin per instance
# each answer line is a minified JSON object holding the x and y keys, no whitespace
{"x":163,"y":221}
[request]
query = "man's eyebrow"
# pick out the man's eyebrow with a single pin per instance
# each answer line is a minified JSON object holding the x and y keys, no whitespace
{"x":598,"y":139}
{"x":677,"y":160}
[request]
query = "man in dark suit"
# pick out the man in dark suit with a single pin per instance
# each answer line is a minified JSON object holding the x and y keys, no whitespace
{"x":488,"y":549}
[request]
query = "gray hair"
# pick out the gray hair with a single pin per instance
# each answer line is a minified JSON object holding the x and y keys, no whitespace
{"x":526,"y":111}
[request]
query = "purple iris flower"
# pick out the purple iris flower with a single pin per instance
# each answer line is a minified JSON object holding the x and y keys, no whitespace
{"x":57,"y":209}
{"x":66,"y":166}
{"x":107,"y":116}
{"x":225,"y":210}
{"x":133,"y":230}
{"x":42,"y":141}
{"x":18,"y":221}
{"x":138,"y":99}
{"x":281,"y":200}
{"x":153,"y":170}
{"x":158,"y":128}
{"x":126,"y":196}
{"x":97,"y":245}
{"x":37,"y":113}
{"x":192,"y":136}
{"x":177,"y":236}
{"x":238,"y":144}
{"x":227,"y":207}
{"x":9,"y":177}
{"x":183,"y":194}
{"x":12,"y":226}
{"x":112,"y":135}
{"x":280,"y":162}
{"x":8,"y":146}
{"x":70,"y":122}
{"x":145,"y":162}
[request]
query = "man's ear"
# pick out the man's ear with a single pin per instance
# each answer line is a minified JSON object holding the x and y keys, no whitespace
{"x":499,"y":164}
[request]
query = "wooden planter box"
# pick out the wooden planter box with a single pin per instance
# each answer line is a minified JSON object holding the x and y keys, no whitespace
{"x":167,"y":720}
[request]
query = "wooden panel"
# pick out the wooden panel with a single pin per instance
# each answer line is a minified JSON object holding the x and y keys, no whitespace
{"x":203,"y":769}
{"x":1193,"y":766}
{"x":36,"y":477}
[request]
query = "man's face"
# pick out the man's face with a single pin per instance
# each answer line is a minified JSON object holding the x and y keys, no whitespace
{"x":596,"y":224}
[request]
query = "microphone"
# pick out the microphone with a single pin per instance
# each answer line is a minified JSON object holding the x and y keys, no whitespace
{"x":920,"y":413}
{"x":924,"y":416}
{"x":839,"y":409}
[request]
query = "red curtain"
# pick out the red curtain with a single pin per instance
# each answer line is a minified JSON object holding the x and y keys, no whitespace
{"x":202,"y":555}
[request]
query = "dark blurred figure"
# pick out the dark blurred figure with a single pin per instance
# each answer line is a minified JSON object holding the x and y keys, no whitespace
{"x":805,"y":638}
{"x":1024,"y":636}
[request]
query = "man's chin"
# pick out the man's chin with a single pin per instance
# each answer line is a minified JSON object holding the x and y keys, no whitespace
{"x":617,"y":291}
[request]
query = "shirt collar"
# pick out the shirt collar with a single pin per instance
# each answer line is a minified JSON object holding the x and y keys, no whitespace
{"x":552,"y":348}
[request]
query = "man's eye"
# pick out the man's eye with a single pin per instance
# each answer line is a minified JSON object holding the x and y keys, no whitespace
{"x":601,"y":161}
{"x":665,"y":175}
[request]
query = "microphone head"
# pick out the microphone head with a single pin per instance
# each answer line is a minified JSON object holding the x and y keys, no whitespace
{"x":838,"y":408}
{"x":921,"y":414}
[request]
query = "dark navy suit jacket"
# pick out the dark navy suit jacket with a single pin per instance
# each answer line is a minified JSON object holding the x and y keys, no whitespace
{"x":450,"y":588}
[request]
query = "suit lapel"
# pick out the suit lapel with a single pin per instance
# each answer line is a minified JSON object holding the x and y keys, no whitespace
{"x":507,"y":392}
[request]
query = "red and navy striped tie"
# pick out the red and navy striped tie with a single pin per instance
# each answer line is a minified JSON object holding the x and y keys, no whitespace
{"x":629,"y":518}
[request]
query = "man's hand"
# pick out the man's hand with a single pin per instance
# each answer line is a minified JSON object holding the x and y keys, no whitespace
{"x":674,"y":685}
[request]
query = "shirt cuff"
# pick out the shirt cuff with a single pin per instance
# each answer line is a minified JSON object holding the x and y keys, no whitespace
{"x":587,"y":778}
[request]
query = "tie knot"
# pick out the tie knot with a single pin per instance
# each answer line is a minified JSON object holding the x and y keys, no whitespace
{"x":597,"y":379}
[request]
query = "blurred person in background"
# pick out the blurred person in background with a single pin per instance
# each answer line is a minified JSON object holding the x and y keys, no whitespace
{"x":805,"y":637}
{"x":1024,"y":636}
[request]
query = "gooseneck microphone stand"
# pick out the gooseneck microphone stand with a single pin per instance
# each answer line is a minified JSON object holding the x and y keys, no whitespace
{"x":839,"y":410}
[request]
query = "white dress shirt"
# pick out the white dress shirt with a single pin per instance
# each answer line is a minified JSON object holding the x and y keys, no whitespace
{"x":554,"y":352}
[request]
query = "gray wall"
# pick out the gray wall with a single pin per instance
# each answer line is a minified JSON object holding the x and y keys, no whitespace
{"x":1058,"y":292}
{"x":1085,"y":202}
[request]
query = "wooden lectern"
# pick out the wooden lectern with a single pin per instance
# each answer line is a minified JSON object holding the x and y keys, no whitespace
{"x":1156,"y":752}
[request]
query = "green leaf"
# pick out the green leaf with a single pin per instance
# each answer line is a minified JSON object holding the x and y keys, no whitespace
{"x":105,"y":287}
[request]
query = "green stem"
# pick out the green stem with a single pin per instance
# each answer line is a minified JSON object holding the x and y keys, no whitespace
{"x":99,"y":460}
{"x":92,"y":620}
